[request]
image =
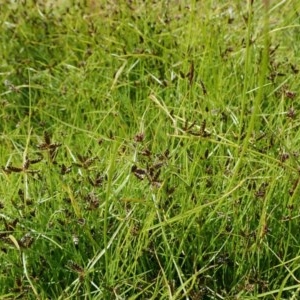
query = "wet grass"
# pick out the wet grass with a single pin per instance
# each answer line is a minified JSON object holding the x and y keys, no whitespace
{"x":150,"y":150}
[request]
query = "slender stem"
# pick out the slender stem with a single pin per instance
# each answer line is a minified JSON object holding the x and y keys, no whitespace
{"x":107,"y":201}
{"x":257,"y":99}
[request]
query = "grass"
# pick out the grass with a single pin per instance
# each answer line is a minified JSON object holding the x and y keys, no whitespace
{"x":149,"y":150}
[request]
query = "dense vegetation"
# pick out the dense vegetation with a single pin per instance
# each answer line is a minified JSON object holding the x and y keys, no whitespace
{"x":150,"y":150}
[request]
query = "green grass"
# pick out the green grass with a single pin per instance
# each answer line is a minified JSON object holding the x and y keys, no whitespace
{"x":150,"y":150}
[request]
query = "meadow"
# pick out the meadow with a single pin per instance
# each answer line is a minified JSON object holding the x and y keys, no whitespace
{"x":150,"y":149}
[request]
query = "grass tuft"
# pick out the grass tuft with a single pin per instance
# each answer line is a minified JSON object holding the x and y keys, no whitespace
{"x":149,"y":150}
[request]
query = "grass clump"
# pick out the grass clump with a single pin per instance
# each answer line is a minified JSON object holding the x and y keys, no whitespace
{"x":149,"y":150}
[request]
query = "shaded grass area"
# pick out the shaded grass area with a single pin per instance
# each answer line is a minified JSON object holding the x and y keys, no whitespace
{"x":149,"y":150}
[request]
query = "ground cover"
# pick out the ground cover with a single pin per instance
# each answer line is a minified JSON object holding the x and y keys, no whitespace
{"x":149,"y":150}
